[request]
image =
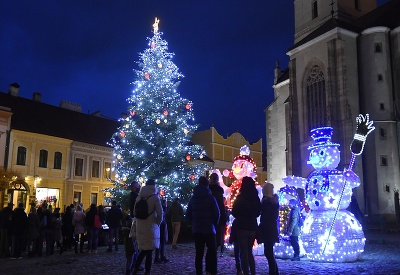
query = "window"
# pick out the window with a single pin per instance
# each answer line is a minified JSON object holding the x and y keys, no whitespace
{"x":57,"y":160}
{"x":93,"y":198}
{"x":21,"y":155}
{"x":43,"y":158}
{"x":380,"y":77}
{"x":381,"y":106}
{"x":316,"y":98}
{"x":107,"y":170}
{"x":387,"y":188}
{"x":77,"y":198}
{"x":382,"y":133}
{"x":95,"y":169}
{"x":79,"y":167}
{"x":314,"y":9}
{"x":378,"y":47}
{"x":384,"y":161}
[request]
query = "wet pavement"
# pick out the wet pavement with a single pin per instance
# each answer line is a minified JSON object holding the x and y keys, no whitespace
{"x":381,"y":256}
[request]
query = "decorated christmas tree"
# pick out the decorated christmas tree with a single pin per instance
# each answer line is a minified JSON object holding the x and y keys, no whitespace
{"x":153,"y":140}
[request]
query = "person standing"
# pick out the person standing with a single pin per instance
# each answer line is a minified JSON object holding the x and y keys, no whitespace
{"x":148,"y":230}
{"x":57,"y":232}
{"x":269,"y":225}
{"x":114,"y":219}
{"x":175,"y":212}
{"x":218,"y":192}
{"x":67,"y":228}
{"x":160,"y":252}
{"x":19,"y":222}
{"x":293,"y":230}
{"x":33,"y":237}
{"x":246,"y":209}
{"x":78,"y":221}
{"x":135,"y":187}
{"x":5,"y":230}
{"x":203,"y":213}
{"x":93,"y":232}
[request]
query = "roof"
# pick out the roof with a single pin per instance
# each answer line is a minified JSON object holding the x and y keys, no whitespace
{"x":284,"y":75}
{"x":37,"y":117}
{"x":386,"y":15}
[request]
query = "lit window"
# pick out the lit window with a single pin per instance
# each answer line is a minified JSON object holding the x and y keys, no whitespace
{"x":107,"y":170}
{"x":95,"y":169}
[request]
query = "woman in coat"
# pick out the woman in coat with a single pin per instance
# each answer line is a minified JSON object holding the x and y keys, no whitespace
{"x":78,"y":220}
{"x":148,"y":230}
{"x":269,"y":225}
{"x":246,"y":209}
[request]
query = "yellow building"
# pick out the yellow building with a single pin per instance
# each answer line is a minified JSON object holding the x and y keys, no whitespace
{"x":61,"y":152}
{"x":223,"y":150}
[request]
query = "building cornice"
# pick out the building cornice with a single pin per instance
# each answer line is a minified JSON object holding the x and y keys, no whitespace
{"x":375,"y":30}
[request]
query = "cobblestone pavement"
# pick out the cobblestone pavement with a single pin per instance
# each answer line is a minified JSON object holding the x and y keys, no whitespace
{"x":381,"y":256}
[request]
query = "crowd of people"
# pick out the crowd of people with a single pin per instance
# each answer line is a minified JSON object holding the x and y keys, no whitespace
{"x":43,"y":229}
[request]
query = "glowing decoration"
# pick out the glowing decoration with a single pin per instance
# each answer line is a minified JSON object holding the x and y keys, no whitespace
{"x":185,"y":131}
{"x":126,"y":126}
{"x":330,"y":233}
{"x":165,"y":113}
{"x":152,"y":45}
{"x":188,"y":157}
{"x":147,"y":76}
{"x":133,"y":112}
{"x":191,"y":177}
{"x":155,"y":25}
{"x":119,"y":156}
{"x":162,"y":192}
{"x":188,"y":106}
{"x":158,"y":121}
{"x":122,"y":134}
{"x":165,"y":120}
{"x":159,"y":65}
{"x":201,"y":156}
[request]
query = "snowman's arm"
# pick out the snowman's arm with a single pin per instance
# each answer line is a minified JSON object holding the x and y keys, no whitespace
{"x":298,"y":182}
{"x":351,"y":178}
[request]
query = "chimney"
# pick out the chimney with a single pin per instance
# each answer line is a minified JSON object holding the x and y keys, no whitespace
{"x":13,"y":89}
{"x":37,"y":97}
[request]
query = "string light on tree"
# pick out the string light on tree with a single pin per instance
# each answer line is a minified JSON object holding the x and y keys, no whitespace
{"x":330,"y":232}
{"x":154,"y":144}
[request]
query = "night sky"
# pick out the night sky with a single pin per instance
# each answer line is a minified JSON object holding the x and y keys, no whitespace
{"x":85,"y":52}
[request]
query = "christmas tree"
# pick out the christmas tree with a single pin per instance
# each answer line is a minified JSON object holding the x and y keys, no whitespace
{"x":153,"y":140}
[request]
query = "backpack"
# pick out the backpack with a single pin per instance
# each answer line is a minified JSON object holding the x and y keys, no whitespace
{"x":142,"y":209}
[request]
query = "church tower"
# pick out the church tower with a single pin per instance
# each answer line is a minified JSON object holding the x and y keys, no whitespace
{"x":310,"y":14}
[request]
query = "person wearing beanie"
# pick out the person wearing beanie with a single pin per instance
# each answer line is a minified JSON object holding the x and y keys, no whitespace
{"x":148,"y":230}
{"x":268,"y":224}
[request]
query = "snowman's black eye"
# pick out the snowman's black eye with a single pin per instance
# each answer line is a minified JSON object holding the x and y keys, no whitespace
{"x":322,"y":153}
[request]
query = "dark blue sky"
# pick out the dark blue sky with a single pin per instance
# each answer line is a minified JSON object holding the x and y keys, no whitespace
{"x":85,"y":51}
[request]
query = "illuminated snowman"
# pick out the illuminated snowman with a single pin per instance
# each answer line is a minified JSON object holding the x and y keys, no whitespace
{"x":330,"y":233}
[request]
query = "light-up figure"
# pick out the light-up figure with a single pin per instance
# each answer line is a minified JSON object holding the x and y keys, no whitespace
{"x":330,"y":233}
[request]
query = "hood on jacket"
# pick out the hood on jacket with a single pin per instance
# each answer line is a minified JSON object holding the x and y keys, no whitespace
{"x":147,"y":190}
{"x":201,"y":191}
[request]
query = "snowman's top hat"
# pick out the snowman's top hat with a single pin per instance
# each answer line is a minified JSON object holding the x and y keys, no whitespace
{"x":322,"y":137}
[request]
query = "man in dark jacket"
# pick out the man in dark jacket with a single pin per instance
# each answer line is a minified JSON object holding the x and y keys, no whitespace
{"x":114,"y":217}
{"x":5,"y":230}
{"x":203,"y":212}
{"x":19,"y":223}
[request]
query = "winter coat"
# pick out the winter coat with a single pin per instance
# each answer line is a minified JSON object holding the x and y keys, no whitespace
{"x":293,"y":222}
{"x":203,"y":211}
{"x":5,"y":218}
{"x":33,"y":227}
{"x":132,"y":200}
{"x":269,"y":217}
{"x":148,"y":230}
{"x":114,"y":217}
{"x":218,"y":193}
{"x":78,"y":220}
{"x":67,"y":227}
{"x":175,"y":212}
{"x":89,"y":219}
{"x":19,"y":222}
{"x":246,"y":209}
{"x":57,"y":225}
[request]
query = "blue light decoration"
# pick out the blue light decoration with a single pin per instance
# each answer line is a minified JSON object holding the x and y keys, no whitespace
{"x":330,"y":233}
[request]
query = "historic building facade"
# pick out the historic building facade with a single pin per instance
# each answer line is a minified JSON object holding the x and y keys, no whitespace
{"x":345,"y":60}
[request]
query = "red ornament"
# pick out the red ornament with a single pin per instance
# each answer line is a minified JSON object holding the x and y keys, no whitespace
{"x":165,"y":112}
{"x":188,"y":106}
{"x":147,"y":76}
{"x":188,"y":157}
{"x":152,"y":45}
{"x":162,"y":193}
{"x":133,"y":112}
{"x":122,"y":134}
{"x":124,"y":186}
{"x":192,"y":177}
